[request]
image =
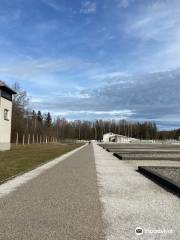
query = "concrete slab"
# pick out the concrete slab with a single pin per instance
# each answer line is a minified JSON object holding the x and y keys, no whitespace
{"x":130,"y":200}
{"x":149,"y":156}
{"x":168,"y":177}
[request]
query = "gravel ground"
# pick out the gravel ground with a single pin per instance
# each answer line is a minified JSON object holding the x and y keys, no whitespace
{"x":131,"y":200}
{"x":169,"y":172}
{"x":61,"y":203}
{"x":168,"y":163}
{"x":140,"y":146}
{"x":142,"y":151}
{"x":151,"y":156}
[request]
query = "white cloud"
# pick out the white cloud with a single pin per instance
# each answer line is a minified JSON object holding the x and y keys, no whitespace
{"x":88,"y":7}
{"x":123,"y":112}
{"x":92,"y":115}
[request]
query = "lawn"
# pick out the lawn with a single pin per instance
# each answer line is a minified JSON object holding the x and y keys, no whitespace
{"x":23,"y":158}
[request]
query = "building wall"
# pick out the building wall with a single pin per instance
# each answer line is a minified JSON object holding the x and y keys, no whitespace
{"x":5,"y":126}
{"x":122,"y":139}
{"x":5,"y":146}
{"x":111,"y":137}
{"x":107,"y":136}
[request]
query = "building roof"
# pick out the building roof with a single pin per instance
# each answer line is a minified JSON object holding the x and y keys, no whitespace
{"x":110,"y":133}
{"x":3,"y":86}
{"x":114,"y":134}
{"x":118,"y":135}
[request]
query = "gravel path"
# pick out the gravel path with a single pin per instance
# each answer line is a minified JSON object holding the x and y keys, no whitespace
{"x":61,"y":203}
{"x":131,"y":200}
{"x":169,"y":172}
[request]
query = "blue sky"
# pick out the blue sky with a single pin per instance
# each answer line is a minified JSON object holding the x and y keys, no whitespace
{"x":92,"y":59}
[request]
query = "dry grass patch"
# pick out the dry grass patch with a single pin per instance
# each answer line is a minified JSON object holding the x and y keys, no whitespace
{"x":23,"y":158}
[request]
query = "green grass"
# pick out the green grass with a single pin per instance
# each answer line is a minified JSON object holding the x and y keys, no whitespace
{"x":23,"y":158}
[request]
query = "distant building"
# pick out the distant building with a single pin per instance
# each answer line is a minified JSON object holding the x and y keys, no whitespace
{"x":112,"y":137}
{"x":5,"y":115}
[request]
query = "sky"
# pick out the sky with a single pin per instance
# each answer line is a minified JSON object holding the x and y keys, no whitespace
{"x":95,"y":59}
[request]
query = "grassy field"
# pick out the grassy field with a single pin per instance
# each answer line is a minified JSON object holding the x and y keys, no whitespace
{"x":23,"y":158}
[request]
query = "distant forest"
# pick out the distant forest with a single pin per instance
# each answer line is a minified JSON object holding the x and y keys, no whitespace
{"x":27,"y":121}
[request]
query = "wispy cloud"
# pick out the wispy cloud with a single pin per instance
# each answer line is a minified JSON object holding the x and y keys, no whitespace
{"x":53,"y":4}
{"x":156,"y":21}
{"x":111,"y":76}
{"x":124,"y":3}
{"x":88,"y":7}
{"x":156,"y":27}
{"x":32,"y":66}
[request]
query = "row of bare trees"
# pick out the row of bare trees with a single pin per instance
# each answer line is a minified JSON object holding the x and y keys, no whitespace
{"x":26,"y":121}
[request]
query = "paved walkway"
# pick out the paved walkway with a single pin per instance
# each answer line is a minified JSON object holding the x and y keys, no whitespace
{"x":61,"y":203}
{"x":131,"y":200}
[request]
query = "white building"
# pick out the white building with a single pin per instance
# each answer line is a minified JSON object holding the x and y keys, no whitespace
{"x":112,"y":137}
{"x":5,"y":115}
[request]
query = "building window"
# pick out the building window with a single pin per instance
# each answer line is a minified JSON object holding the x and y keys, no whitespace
{"x":6,"y":114}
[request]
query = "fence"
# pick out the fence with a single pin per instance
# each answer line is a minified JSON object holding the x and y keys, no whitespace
{"x":34,"y":139}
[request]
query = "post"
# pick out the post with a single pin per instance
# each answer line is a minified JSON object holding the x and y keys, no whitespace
{"x":23,"y":138}
{"x":79,"y":132}
{"x":46,"y":139}
{"x":95,"y":133}
{"x":33,"y":138}
{"x":17,"y":138}
{"x":28,"y":138}
{"x":37,"y":139}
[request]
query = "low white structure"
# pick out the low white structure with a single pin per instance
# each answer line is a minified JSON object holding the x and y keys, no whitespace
{"x":5,"y":115}
{"x":112,"y":137}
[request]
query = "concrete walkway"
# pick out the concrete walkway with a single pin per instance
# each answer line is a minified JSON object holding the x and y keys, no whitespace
{"x":130,"y":200}
{"x":61,"y":203}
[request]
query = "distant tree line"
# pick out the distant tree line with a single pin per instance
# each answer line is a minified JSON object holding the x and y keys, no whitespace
{"x":28,"y":121}
{"x":171,"y":134}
